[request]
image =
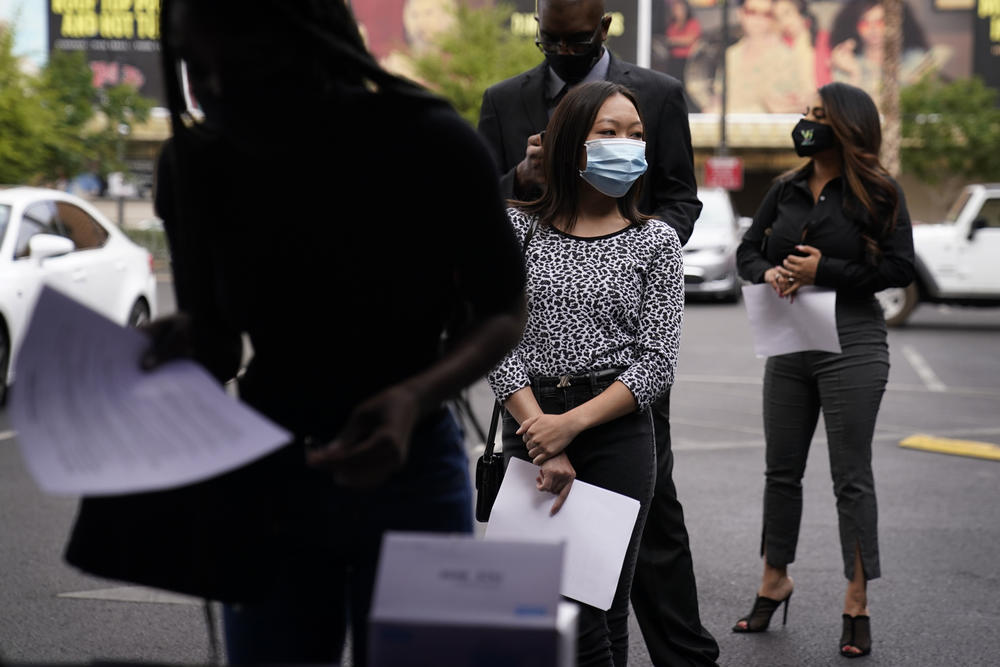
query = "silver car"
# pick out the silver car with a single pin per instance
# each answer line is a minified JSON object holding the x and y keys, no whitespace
{"x":710,"y":253}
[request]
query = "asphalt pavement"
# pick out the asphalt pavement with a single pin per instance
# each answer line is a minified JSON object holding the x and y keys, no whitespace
{"x":937,"y":603}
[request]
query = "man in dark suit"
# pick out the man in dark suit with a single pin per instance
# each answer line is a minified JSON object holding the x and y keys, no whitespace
{"x":571,"y":34}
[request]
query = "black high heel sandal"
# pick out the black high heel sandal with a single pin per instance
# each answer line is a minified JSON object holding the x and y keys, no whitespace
{"x":857,"y":633}
{"x":760,"y":616}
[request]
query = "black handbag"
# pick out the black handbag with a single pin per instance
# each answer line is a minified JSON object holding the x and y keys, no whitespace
{"x":489,"y":467}
{"x":228,"y":538}
{"x":489,"y":471}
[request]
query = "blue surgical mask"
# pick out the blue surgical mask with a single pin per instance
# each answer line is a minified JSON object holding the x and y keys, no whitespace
{"x":613,"y":165}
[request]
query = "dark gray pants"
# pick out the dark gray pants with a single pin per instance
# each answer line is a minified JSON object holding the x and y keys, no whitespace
{"x":848,"y":387}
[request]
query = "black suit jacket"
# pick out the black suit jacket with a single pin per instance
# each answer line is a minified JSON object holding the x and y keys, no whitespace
{"x":515,"y":109}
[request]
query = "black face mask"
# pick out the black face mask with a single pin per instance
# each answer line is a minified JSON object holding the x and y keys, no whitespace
{"x":571,"y":68}
{"x":811,"y":138}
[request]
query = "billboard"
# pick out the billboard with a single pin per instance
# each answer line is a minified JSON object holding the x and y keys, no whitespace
{"x":778,"y":52}
{"x":986,"y":32}
{"x":395,"y":30}
{"x":120,"y":38}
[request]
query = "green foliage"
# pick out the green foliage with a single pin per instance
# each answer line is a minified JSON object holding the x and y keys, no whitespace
{"x":153,"y":240}
{"x":24,"y":119}
{"x":950,"y":129}
{"x":478,"y":51}
{"x":49,"y":126}
{"x":122,"y":107}
{"x":66,"y":82}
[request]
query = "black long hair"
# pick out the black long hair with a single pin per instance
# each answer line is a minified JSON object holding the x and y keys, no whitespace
{"x":563,"y":150}
{"x":845,"y":26}
{"x":872,"y":198}
{"x":320,"y":34}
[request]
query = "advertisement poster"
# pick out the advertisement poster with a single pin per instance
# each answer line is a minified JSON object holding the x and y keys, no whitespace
{"x":779,"y":51}
{"x":397,"y":30}
{"x":119,"y":37}
{"x":986,"y":33}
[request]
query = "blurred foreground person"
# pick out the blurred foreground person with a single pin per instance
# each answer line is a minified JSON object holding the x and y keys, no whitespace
{"x":838,"y":222}
{"x":305,"y":210}
{"x":605,"y":300}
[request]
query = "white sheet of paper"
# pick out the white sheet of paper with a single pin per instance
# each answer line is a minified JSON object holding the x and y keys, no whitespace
{"x":783,"y":326}
{"x":91,"y":422}
{"x":462,"y":580}
{"x":595,"y":523}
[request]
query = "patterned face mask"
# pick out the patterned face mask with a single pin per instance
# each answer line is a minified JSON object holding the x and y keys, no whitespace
{"x":811,"y":137}
{"x":613,"y":165}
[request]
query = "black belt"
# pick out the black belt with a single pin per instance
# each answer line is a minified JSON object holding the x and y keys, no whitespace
{"x":591,"y":379}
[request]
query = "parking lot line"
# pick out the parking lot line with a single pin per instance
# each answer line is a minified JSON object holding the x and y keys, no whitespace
{"x":923,"y":369}
{"x":927,"y":443}
{"x":7,"y":435}
{"x":133,"y":594}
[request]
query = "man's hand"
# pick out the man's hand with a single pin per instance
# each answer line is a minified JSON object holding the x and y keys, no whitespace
{"x":374,"y":443}
{"x":529,"y":171}
{"x":556,"y":476}
{"x":545,"y":436}
{"x":171,"y":338}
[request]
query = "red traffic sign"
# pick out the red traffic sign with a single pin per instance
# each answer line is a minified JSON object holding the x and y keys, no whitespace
{"x":724,"y":172}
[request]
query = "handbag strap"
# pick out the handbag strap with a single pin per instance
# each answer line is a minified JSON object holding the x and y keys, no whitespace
{"x":491,"y":438}
{"x":528,"y":235}
{"x":495,"y":418}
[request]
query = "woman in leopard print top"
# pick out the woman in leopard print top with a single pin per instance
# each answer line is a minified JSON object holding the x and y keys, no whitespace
{"x":605,"y":301}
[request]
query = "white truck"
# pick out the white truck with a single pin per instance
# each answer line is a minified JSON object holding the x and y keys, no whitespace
{"x":958,"y":260}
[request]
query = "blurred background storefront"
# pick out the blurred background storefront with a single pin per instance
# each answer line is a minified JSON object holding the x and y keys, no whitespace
{"x":775,"y":52}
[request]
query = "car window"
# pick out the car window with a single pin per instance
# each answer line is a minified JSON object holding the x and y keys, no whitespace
{"x":716,"y":212}
{"x":39,"y":218}
{"x":990,"y":212}
{"x":83,"y":230}
{"x":956,"y":208}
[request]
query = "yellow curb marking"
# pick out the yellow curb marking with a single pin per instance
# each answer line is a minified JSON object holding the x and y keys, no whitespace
{"x":979,"y":450}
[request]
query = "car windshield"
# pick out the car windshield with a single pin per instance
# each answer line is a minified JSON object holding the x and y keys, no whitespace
{"x":956,"y":208}
{"x":4,"y":217}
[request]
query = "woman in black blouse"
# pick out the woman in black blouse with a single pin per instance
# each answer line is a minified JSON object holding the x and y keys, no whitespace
{"x":838,"y":222}
{"x":605,"y":299}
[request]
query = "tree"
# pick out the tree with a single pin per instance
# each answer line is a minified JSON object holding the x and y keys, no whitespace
{"x":55,"y":124}
{"x":951,"y":129}
{"x":121,"y":107}
{"x":69,"y":94}
{"x":24,"y":119}
{"x":478,"y":51}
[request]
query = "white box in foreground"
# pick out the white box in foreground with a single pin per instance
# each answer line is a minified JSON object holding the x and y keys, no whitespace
{"x":457,"y":601}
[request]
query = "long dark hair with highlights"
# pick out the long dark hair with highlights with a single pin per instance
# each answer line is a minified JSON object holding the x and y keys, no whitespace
{"x":873,"y":199}
{"x":563,"y":148}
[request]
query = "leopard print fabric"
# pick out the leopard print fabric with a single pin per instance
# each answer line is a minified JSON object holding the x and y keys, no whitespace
{"x":614,"y":301}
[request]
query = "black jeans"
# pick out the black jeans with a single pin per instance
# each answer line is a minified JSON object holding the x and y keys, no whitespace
{"x":664,"y":594}
{"x":328,"y":585}
{"x":619,"y":456}
{"x":848,"y":387}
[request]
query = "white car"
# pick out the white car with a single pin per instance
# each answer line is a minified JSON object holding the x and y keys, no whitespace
{"x":710,"y":253}
{"x":54,"y":238}
{"x":957,"y":260}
